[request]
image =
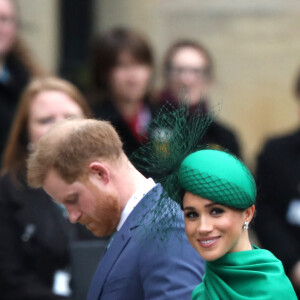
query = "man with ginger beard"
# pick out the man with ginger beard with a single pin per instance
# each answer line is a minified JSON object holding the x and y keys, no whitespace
{"x":81,"y":164}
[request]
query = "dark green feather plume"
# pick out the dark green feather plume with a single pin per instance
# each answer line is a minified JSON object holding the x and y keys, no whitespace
{"x":172,"y":135}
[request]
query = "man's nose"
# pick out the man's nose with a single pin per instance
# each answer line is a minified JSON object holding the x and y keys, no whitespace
{"x":74,"y":215}
{"x":186,"y":77}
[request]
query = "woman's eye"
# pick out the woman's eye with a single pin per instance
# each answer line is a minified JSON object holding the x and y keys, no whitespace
{"x":191,"y":215}
{"x":46,"y":120}
{"x":216,"y":211}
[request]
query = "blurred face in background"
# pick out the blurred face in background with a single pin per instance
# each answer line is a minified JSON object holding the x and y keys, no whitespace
{"x":129,"y":79}
{"x":189,"y":74}
{"x":8,"y":26}
{"x":47,"y":108}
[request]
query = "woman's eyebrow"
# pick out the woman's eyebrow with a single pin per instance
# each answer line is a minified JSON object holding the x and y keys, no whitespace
{"x":189,"y":208}
{"x":210,"y":204}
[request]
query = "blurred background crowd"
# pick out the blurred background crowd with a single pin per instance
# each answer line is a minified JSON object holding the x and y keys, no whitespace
{"x":121,"y":60}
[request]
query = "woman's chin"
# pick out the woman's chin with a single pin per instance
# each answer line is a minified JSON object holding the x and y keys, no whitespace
{"x":210,"y":255}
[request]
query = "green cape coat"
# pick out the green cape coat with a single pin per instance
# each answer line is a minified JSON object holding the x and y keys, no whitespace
{"x":254,"y":274}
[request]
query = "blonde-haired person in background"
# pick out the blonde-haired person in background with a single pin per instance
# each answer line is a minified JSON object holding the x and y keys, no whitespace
{"x":34,"y":231}
{"x":16,"y":67}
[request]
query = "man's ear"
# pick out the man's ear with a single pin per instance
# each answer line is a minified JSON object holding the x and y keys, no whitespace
{"x":100,"y":171}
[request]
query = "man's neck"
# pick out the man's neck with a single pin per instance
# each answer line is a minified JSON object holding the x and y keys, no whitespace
{"x":129,"y":180}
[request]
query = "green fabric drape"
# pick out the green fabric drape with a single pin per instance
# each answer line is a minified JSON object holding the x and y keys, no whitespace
{"x":254,"y":274}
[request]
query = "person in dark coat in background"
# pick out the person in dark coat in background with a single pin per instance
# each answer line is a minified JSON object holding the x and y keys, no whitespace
{"x":35,"y":233}
{"x":278,"y":205}
{"x":189,"y":73}
{"x":121,"y":70}
{"x":16,"y":67}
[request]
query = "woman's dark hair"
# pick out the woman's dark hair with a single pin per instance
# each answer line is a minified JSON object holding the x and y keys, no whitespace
{"x":188,"y":44}
{"x":106,"y":50}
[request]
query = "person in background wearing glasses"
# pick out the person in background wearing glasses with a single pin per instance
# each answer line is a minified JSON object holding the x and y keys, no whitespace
{"x":189,"y":73}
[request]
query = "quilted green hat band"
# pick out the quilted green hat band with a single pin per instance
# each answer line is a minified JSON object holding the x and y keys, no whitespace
{"x":218,"y":176}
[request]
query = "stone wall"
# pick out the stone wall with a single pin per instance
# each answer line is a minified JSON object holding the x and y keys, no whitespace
{"x":39,"y":26}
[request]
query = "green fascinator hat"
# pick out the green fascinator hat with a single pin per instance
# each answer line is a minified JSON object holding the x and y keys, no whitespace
{"x":218,"y":176}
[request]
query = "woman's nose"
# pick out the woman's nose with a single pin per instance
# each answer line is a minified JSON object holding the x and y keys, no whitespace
{"x":205,"y":225}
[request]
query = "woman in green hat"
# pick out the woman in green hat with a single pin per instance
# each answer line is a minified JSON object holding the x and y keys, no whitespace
{"x":218,"y":205}
{"x":217,"y":193}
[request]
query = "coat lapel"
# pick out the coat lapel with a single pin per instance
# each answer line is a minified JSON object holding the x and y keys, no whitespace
{"x":121,"y":238}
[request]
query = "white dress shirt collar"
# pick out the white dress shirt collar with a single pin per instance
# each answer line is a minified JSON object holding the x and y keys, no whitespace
{"x":134,"y":200}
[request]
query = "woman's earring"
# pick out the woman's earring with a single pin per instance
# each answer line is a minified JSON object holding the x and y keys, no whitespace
{"x":246,"y":225}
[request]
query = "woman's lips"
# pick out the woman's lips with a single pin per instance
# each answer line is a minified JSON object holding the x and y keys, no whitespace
{"x":208,"y":242}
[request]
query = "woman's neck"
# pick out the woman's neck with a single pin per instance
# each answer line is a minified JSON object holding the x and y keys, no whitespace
{"x":244,"y":243}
